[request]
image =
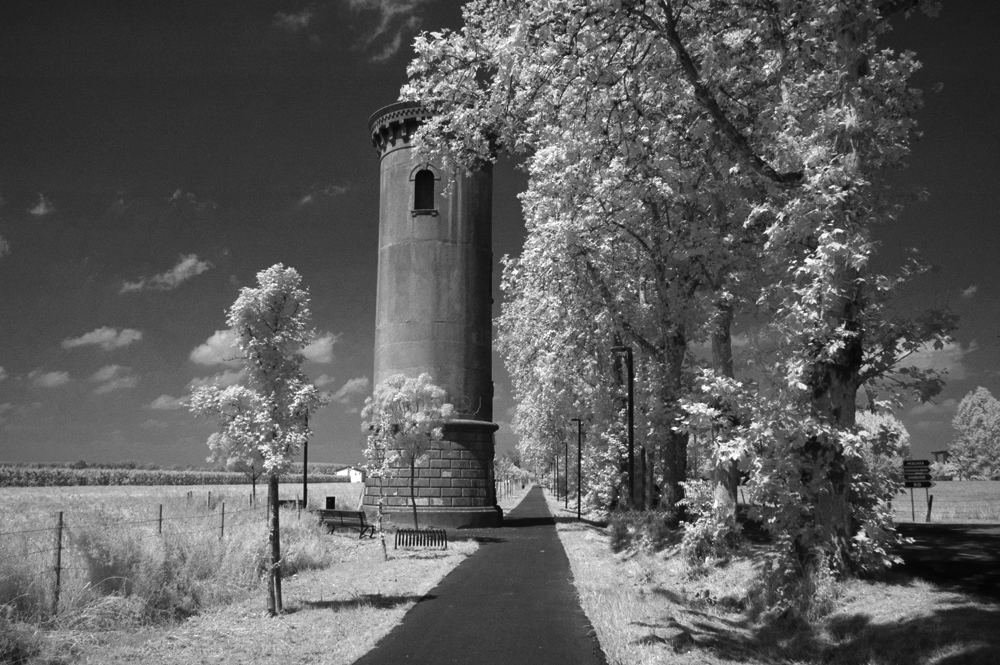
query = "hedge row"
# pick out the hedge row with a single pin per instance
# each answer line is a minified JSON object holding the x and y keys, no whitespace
{"x":21,"y":476}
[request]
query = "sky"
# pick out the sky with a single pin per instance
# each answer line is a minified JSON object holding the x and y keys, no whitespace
{"x":155,"y":156}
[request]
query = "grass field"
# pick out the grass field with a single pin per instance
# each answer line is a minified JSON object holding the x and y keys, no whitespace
{"x":134,"y":554}
{"x":954,"y":501}
{"x":654,"y":608}
{"x":335,"y":610}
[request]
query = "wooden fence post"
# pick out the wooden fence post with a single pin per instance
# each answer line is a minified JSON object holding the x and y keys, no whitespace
{"x":222,"y":522}
{"x":159,"y":521}
{"x":58,"y":563}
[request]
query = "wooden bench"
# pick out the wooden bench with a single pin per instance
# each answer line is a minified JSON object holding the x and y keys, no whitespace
{"x":346,"y":519}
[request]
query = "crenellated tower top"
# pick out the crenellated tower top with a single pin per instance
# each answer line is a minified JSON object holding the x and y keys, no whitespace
{"x":395,"y":124}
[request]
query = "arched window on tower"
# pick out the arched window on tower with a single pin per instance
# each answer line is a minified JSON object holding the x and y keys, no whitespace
{"x":423,"y":191}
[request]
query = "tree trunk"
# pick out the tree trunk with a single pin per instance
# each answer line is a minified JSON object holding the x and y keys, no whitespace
{"x":675,"y":445}
{"x":834,"y":384}
{"x":274,"y":604}
{"x":725,"y":475}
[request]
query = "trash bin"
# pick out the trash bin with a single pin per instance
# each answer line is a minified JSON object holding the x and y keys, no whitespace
{"x":331,"y":503}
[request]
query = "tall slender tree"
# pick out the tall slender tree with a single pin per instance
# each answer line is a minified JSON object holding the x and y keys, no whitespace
{"x":265,"y":421}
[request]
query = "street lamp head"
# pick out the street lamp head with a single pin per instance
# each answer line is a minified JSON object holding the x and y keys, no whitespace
{"x":620,"y":349}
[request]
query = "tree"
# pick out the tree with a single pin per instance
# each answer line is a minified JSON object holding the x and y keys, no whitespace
{"x":975,"y":452}
{"x":265,"y":421}
{"x":221,"y":455}
{"x":681,"y":152}
{"x":686,"y":160}
{"x":404,"y":415}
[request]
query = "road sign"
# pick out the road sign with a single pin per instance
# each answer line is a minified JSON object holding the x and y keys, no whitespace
{"x":919,"y":483}
{"x":912,"y":477}
{"x":916,"y":462}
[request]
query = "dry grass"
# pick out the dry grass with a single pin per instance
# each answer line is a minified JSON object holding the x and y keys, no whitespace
{"x":115,"y":567}
{"x":652,"y":608}
{"x":954,"y":501}
{"x":331,"y":616}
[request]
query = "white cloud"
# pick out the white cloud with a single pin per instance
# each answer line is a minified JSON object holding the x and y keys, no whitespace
{"x":950,"y":358}
{"x":295,"y":21}
{"x":48,"y":379}
{"x":225,"y":378}
{"x":219,"y":349}
{"x":317,"y":193}
{"x":396,"y":19}
{"x":113,"y":377}
{"x":42,"y":208}
{"x":352,"y":389}
{"x":323,"y":380}
{"x":168,"y":403}
{"x":104,"y":337}
{"x":187,"y":266}
{"x":969,"y":292}
{"x":3,"y":373}
{"x":187,"y":199}
{"x":320,"y":350}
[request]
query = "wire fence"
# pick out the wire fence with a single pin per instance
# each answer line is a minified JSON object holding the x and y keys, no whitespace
{"x":86,"y":543}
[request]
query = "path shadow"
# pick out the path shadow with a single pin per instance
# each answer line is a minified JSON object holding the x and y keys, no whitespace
{"x":522,"y":522}
{"x":957,"y":557}
{"x":476,"y":537}
{"x":374,"y":600}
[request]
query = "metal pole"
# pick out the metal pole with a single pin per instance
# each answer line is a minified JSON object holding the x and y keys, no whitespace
{"x":305,"y":472}
{"x":579,"y":459}
{"x":555,"y":484}
{"x":58,"y":563}
{"x":627,"y":350}
{"x":566,"y":468}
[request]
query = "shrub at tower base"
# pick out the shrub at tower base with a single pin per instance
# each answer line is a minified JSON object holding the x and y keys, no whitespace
{"x":424,"y":466}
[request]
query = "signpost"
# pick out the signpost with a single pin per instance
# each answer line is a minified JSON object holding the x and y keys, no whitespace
{"x":917,"y":473}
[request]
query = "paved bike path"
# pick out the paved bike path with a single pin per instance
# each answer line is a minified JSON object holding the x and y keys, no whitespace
{"x":510,"y":602}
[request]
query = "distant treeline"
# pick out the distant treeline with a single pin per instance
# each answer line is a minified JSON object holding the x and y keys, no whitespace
{"x":39,"y":475}
{"x":314,"y":467}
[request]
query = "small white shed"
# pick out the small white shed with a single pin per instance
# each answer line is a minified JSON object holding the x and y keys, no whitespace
{"x":355,"y":474}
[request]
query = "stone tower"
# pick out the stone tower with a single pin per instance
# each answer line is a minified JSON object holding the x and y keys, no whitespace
{"x":433,"y":315}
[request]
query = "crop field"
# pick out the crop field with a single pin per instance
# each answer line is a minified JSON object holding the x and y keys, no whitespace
{"x":954,"y":501}
{"x":134,"y":553}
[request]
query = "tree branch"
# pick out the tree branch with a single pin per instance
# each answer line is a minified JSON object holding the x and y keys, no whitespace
{"x":711,"y":105}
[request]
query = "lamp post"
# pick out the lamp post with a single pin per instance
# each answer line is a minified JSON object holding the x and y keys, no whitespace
{"x":579,"y":458}
{"x":555,"y":481}
{"x":565,"y":475}
{"x":627,"y":351}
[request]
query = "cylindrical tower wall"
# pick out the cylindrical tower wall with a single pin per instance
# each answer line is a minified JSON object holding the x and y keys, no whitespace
{"x":433,"y":315}
{"x":434,"y":271}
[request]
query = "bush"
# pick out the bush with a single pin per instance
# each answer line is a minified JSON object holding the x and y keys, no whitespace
{"x":650,"y":530}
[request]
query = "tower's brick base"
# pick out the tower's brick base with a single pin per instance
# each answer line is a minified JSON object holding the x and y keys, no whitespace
{"x":453,"y":486}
